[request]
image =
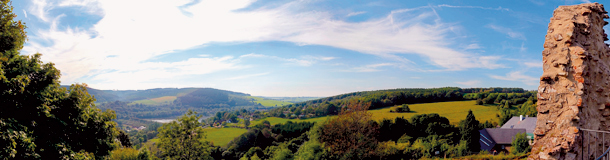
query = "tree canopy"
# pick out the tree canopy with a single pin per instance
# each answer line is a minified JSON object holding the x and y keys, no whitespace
{"x":39,"y":119}
{"x":184,"y":138}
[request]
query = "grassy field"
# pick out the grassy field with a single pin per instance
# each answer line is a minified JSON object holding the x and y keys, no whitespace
{"x":268,"y":102}
{"x":276,"y":120}
{"x":222,"y":136}
{"x":155,"y":101}
{"x":454,"y":111}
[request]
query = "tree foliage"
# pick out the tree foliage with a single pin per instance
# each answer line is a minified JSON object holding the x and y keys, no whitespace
{"x":403,"y":108}
{"x":184,"y":138}
{"x":39,"y":119}
{"x":351,"y":134}
{"x":469,"y":129}
{"x":520,"y":144}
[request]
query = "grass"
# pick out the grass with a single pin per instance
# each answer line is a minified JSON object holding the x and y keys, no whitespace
{"x":222,"y":136}
{"x":156,"y":101}
{"x":276,"y":120}
{"x":219,"y":136}
{"x":268,"y":102}
{"x":454,"y":111}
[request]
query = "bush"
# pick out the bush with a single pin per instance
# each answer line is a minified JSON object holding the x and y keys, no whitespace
{"x":520,"y":144}
{"x":403,"y":108}
{"x":404,"y":139}
{"x":124,"y":154}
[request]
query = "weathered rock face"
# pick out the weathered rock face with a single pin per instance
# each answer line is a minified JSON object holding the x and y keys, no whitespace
{"x":575,"y":85}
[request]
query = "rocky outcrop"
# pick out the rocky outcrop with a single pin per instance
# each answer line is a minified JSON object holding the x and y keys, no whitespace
{"x":575,"y":85}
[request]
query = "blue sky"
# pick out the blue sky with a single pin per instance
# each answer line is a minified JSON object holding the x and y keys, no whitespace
{"x":290,"y":48}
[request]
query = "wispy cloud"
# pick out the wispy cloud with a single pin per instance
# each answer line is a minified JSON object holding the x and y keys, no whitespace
{"x":472,"y":46}
{"x":303,"y":61}
{"x":355,"y":13}
{"x":369,"y":68}
{"x":471,"y":83}
{"x":39,"y":9}
{"x":248,"y":76}
{"x":127,"y":39}
{"x":517,"y":76}
{"x":477,"y":7}
{"x":537,"y":2}
{"x":533,"y":64}
{"x":25,"y":13}
{"x":507,"y":31}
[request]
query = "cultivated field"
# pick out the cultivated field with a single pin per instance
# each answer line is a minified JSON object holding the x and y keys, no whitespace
{"x":156,"y":101}
{"x":222,"y":136}
{"x":268,"y":102}
{"x":276,"y":120}
{"x":454,"y":111}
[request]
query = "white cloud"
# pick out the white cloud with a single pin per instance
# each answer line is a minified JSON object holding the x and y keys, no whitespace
{"x":471,"y":83}
{"x":39,"y":9}
{"x":303,"y":61}
{"x":472,"y":46}
{"x":25,"y":13}
{"x":248,"y":76}
{"x":540,"y":3}
{"x":89,"y":6}
{"x":518,"y":76}
{"x":490,"y":62}
{"x":369,"y":68}
{"x":355,"y":13}
{"x":533,"y":64}
{"x":477,"y":7}
{"x":125,"y":38}
{"x":507,"y":31}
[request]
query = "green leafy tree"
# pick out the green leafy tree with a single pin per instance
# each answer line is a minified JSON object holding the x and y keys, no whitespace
{"x":504,"y":116}
{"x":39,"y":119}
{"x":520,"y":144}
{"x":184,"y":138}
{"x":351,"y":134}
{"x":469,"y":129}
{"x":403,"y":108}
{"x":507,"y":104}
{"x":246,"y":122}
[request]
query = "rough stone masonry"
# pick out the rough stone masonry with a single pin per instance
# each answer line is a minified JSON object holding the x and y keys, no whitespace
{"x":575,"y":85}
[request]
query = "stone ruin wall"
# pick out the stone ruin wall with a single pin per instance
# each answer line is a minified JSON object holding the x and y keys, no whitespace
{"x":575,"y":85}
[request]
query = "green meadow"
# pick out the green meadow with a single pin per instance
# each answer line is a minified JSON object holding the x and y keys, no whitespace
{"x":454,"y":111}
{"x":276,"y":120}
{"x":268,"y":102}
{"x":156,"y":101}
{"x":222,"y":136}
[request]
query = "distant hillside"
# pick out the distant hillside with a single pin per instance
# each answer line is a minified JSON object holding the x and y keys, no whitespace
{"x":381,"y":98}
{"x":103,"y":96}
{"x":167,"y":103}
